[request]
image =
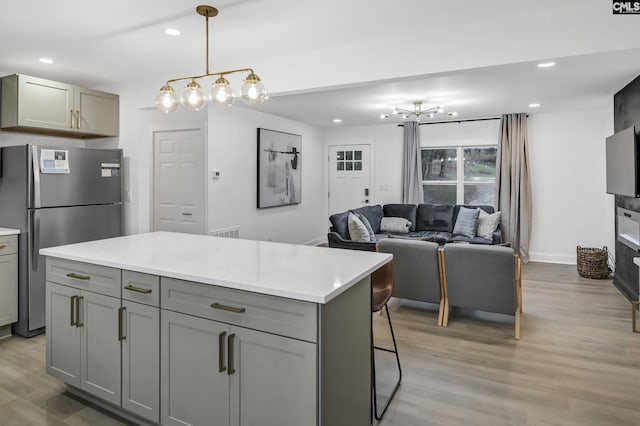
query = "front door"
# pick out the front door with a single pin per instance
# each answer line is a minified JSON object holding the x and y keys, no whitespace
{"x":349,"y":177}
{"x":179,"y":181}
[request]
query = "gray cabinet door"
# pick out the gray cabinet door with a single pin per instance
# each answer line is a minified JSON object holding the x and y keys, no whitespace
{"x":100,"y":350}
{"x":44,"y":104}
{"x":63,"y":338}
{"x":141,"y":360}
{"x":272,"y":371}
{"x":8,"y":289}
{"x":193,"y":389}
{"x":96,"y":112}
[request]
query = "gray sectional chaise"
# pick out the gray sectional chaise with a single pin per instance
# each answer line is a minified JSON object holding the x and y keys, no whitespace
{"x":429,"y":222}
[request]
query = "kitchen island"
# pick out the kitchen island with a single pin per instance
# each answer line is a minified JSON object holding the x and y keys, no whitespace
{"x":176,"y":329}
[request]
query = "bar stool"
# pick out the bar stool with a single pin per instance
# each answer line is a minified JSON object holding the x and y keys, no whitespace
{"x":381,"y":288}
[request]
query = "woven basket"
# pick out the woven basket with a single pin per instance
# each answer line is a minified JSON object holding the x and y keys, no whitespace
{"x":593,"y":262}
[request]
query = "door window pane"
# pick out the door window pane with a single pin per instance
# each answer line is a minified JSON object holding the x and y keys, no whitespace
{"x":349,"y":155}
{"x":340,"y":155}
{"x":349,"y":165}
{"x":479,"y":194}
{"x":357,"y":165}
{"x":340,"y":165}
{"x":440,"y":194}
{"x":480,"y":164}
{"x":357,"y":155}
{"x":439,"y":164}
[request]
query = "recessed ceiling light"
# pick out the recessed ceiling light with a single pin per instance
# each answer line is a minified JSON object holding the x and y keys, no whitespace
{"x":534,"y":105}
{"x":337,"y":120}
{"x":546,"y":64}
{"x":172,"y":31}
{"x":46,"y":60}
{"x":453,"y":114}
{"x":383,"y":116}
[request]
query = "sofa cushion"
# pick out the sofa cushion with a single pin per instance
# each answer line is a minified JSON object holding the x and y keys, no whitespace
{"x":340,"y":224}
{"x":463,"y":239}
{"x":395,"y":224}
{"x":433,"y":236}
{"x":487,"y":225}
{"x":357,"y":230}
{"x":457,"y":207}
{"x":373,"y":214}
{"x":434,"y":217}
{"x":365,"y":222}
{"x":466,"y":222}
{"x":407,"y":211}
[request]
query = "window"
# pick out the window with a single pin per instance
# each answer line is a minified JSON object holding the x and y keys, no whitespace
{"x":349,"y":161}
{"x":444,"y":181}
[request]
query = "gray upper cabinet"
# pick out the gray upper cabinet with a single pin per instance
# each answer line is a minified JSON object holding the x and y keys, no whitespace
{"x":36,"y":105}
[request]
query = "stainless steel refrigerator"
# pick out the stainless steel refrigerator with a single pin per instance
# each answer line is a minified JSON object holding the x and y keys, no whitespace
{"x":55,"y":196}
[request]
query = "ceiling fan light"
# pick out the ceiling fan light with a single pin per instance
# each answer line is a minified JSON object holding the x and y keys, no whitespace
{"x":221,"y":93}
{"x":192,"y":97}
{"x":167,"y":101}
{"x":252,"y":90}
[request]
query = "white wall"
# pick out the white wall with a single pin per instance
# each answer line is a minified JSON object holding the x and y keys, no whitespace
{"x":568,"y":178}
{"x":13,"y":138}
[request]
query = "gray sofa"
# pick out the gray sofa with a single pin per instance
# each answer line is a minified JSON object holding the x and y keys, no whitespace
{"x":429,"y":222}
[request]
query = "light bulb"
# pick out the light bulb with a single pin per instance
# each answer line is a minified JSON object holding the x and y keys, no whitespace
{"x":221,"y":93}
{"x":253,"y":92}
{"x":167,"y":101}
{"x":192,"y":98}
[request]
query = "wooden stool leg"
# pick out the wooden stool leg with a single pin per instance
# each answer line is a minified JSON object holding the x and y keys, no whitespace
{"x":445,"y":321}
{"x":518,"y":324}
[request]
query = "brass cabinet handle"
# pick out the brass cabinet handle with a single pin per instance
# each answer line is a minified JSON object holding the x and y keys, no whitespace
{"x":231,"y":369}
{"x":228,"y":308}
{"x":78,"y":300}
{"x":71,"y":122}
{"x":78,"y":120}
{"x":121,"y":335}
{"x":71,"y":306}
{"x":221,"y":366}
{"x":2,"y":246}
{"x":138,"y":289}
{"x":634,"y":316}
{"x":78,"y":277}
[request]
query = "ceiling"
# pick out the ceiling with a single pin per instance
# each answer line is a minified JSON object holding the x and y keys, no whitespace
{"x":574,"y":83}
{"x":338,"y":59}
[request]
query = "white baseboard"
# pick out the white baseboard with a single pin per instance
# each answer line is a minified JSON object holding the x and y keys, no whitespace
{"x":316,"y":241}
{"x":553,"y":258}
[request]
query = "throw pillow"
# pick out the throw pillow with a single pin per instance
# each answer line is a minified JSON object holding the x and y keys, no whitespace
{"x":395,"y":224}
{"x":487,"y":224}
{"x":357,"y":230}
{"x":365,"y":222}
{"x":466,"y":222}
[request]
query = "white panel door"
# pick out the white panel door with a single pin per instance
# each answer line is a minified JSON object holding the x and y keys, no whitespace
{"x":141,"y":360}
{"x":63,"y":336}
{"x":179,"y":181}
{"x":194,"y":377}
{"x":349,"y":177}
{"x":100,"y":351}
{"x":271,"y":371}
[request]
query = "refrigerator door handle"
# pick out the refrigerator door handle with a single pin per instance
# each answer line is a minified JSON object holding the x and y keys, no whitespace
{"x":36,"y":177}
{"x":35,"y":232}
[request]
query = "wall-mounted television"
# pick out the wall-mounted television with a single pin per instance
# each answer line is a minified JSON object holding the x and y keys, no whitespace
{"x":622,"y":163}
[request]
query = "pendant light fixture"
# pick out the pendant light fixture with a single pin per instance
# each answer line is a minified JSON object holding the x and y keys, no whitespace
{"x":193,"y":98}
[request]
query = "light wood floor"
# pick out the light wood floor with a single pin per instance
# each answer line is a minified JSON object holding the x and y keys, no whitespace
{"x":577,"y":364}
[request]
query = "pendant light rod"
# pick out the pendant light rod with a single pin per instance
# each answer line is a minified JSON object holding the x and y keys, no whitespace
{"x":223,"y":73}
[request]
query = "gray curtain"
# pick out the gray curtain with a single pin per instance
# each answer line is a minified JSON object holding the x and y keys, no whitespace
{"x":513,"y":185}
{"x":411,"y":165}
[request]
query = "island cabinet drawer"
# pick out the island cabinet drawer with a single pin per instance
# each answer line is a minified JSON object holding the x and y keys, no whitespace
{"x":286,"y":317}
{"x":8,"y":244}
{"x":141,"y":288}
{"x":85,"y":276}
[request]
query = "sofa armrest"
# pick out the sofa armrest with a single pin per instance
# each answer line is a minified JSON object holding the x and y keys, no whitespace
{"x":336,"y":241}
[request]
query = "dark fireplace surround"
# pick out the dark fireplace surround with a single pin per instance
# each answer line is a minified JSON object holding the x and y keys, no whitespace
{"x":626,"y":114}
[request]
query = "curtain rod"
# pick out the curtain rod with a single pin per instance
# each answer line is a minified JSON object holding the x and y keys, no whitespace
{"x":456,"y":121}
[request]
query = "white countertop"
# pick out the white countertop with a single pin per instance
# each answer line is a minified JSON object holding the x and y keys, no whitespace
{"x":312,"y":274}
{"x":8,"y":231}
